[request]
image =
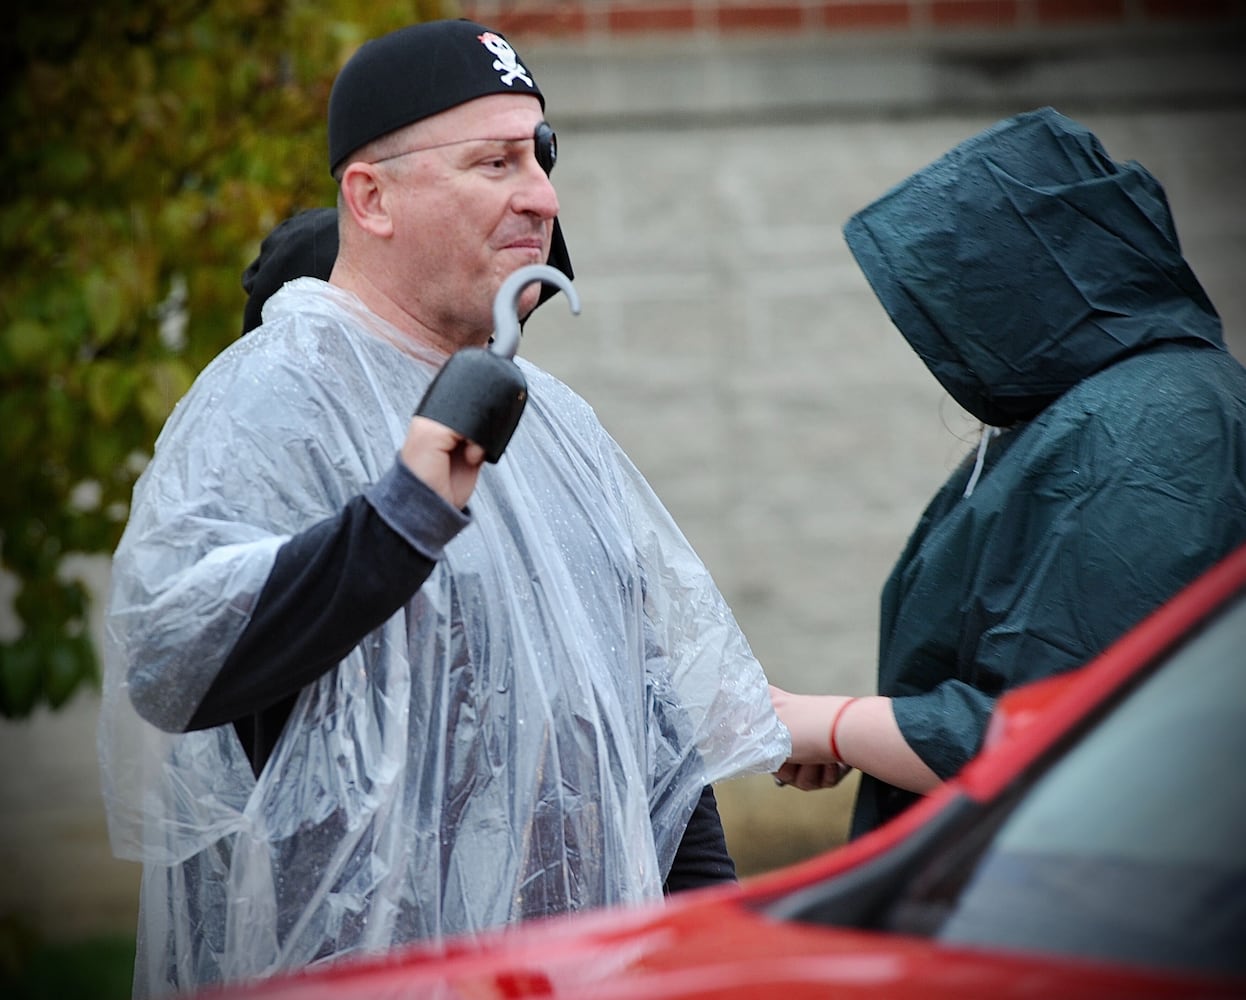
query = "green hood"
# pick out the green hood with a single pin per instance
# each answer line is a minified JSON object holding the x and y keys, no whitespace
{"x":975,"y":259}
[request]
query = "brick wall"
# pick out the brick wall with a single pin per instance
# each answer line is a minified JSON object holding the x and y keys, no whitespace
{"x":918,"y":19}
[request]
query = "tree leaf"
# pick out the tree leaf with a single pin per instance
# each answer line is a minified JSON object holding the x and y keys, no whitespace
{"x":109,"y":389}
{"x":25,"y":342}
{"x":164,"y":384}
{"x":66,"y":665}
{"x":105,"y":301}
{"x":21,"y":677}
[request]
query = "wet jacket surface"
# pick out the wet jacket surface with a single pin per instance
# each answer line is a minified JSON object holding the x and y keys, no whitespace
{"x":1043,"y":285}
{"x":527,"y":734}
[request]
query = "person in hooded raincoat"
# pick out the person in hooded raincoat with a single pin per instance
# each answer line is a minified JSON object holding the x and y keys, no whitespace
{"x":343,"y":709}
{"x":1043,"y":285}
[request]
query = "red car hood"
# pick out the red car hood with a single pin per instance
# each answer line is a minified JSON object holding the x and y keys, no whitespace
{"x":713,"y":944}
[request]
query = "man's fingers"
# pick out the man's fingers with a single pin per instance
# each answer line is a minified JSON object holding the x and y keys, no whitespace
{"x":446,"y":439}
{"x":811,"y":777}
{"x":437,"y":434}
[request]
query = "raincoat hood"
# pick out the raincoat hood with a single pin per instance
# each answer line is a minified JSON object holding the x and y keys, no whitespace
{"x":983,"y":262}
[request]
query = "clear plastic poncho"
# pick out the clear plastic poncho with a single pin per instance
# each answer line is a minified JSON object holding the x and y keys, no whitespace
{"x":528,"y":736}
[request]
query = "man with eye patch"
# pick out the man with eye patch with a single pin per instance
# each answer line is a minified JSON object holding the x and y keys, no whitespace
{"x":362,"y":688}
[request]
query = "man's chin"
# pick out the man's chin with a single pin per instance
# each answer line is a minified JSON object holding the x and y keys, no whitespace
{"x":531,"y":293}
{"x":528,"y":301}
{"x":517,"y":257}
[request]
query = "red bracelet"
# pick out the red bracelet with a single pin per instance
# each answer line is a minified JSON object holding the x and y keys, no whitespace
{"x":839,"y":714}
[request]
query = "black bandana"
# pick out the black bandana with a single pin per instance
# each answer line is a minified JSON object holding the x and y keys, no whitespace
{"x":416,"y":72}
{"x":305,"y":245}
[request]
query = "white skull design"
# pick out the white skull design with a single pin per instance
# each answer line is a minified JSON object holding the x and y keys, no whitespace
{"x":507,"y":63}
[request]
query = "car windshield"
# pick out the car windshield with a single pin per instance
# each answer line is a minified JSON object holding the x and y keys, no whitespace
{"x":1132,"y":848}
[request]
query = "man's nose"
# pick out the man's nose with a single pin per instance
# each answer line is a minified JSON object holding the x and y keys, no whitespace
{"x":536,"y":193}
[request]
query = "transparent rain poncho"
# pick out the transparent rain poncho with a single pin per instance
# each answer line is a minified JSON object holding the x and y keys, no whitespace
{"x":528,"y":736}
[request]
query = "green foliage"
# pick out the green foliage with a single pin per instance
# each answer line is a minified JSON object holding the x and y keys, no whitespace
{"x":32,"y":968}
{"x":148,"y":149}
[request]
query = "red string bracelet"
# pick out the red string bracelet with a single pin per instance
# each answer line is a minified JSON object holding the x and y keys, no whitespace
{"x":839,"y":714}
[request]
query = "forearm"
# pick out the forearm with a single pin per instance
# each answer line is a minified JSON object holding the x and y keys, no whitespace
{"x":866,"y":737}
{"x":702,"y":858}
{"x":330,"y":586}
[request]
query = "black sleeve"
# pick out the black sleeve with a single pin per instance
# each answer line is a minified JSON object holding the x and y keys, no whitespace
{"x":330,"y":585}
{"x":701,"y":858}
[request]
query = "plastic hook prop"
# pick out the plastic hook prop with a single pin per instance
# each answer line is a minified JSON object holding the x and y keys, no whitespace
{"x":506,"y":303}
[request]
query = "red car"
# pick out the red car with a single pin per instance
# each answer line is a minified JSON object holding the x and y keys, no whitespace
{"x":1095,"y":848}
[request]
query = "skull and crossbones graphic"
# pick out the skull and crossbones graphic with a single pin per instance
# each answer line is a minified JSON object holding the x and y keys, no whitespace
{"x":507,"y":63}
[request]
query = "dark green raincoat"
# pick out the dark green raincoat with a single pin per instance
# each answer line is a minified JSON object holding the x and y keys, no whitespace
{"x":1044,"y":287}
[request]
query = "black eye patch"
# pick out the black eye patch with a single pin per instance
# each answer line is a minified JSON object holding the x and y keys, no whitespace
{"x":546,"y":147}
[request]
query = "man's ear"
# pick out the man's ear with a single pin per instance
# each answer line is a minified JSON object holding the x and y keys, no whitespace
{"x":363,"y":194}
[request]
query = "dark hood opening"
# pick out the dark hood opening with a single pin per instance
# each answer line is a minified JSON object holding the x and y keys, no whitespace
{"x":1024,"y":260}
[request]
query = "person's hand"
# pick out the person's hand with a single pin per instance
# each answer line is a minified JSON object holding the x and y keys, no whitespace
{"x":811,"y":777}
{"x":445,"y":460}
{"x":808,"y":718}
